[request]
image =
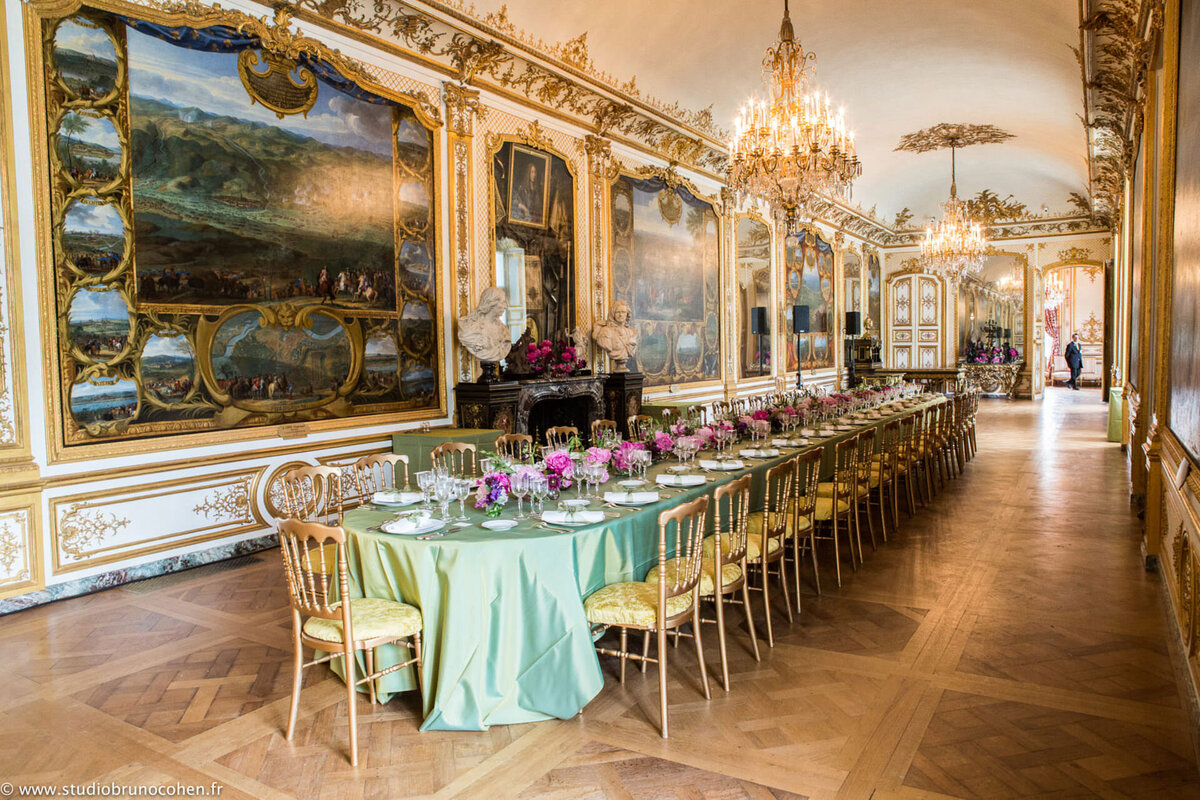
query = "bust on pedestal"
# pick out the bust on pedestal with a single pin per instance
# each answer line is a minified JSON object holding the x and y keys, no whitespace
{"x":617,"y":337}
{"x":484,"y":334}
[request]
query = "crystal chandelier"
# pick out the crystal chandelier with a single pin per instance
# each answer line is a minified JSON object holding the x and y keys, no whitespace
{"x":1055,"y":293}
{"x":1012,"y":286}
{"x":792,"y":146}
{"x":956,"y":246}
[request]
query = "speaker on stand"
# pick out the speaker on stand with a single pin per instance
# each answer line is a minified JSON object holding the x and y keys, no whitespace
{"x":759,"y":326}
{"x":853,"y":329}
{"x":799,"y":327}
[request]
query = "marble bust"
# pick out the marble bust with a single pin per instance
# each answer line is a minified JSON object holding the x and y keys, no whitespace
{"x":482,"y":331}
{"x":617,"y":337}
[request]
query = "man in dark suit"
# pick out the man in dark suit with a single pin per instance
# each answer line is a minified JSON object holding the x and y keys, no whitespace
{"x":1074,"y":357}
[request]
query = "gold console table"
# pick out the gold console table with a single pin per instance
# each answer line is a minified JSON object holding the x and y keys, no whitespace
{"x":993,"y":378}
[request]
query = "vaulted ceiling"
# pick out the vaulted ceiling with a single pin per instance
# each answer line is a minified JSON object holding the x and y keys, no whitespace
{"x":897,"y":67}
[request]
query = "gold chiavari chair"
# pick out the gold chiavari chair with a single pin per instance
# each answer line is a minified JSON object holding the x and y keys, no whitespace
{"x":862,"y":500}
{"x":768,"y":531}
{"x":601,"y":425}
{"x":667,"y":605}
{"x":639,"y":426}
{"x":804,"y":526}
{"x":458,"y":457}
{"x":928,"y":448}
{"x":314,"y":494}
{"x":560,"y":435}
{"x":905,"y":460}
{"x":379,"y":473}
{"x":973,"y":411}
{"x":698,"y":413}
{"x":724,"y":569}
{"x":339,"y":628}
{"x":885,"y":468}
{"x":517,"y":446}
{"x":721,"y":408}
{"x":833,"y":504}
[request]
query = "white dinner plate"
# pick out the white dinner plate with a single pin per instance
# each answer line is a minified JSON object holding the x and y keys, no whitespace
{"x":499,"y":524}
{"x":427,"y":527}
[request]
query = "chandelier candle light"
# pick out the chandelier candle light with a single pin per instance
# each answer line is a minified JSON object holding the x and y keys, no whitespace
{"x":956,"y":246}
{"x":792,"y":146}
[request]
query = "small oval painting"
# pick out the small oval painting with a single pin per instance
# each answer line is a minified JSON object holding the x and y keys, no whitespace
{"x":100,"y":403}
{"x":168,"y":367}
{"x":415,"y":266}
{"x":688,"y":352}
{"x":622,"y":212}
{"x":93,"y":237}
{"x":89,"y":149}
{"x":654,"y":352}
{"x":416,"y":327}
{"x":381,"y":368}
{"x":412,"y":141}
{"x":413,"y":197}
{"x":85,"y":57}
{"x":98,"y":323}
{"x":418,"y":382}
{"x":265,"y":365}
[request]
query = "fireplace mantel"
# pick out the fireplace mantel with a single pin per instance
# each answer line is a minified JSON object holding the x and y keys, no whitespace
{"x":506,"y":405}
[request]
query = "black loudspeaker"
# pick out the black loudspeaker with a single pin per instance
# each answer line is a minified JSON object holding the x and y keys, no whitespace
{"x":1008,"y":333}
{"x":799,"y":319}
{"x":853,"y":323}
{"x":758,"y":320}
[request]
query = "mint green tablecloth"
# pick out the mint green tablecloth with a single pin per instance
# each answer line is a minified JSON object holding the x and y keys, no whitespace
{"x":506,"y":639}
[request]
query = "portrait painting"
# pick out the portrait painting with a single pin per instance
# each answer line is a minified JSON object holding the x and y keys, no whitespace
{"x":212,"y":256}
{"x":666,"y":266}
{"x":529,"y":180}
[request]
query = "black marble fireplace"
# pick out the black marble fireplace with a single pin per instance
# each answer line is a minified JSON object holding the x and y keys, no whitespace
{"x":532,"y":406}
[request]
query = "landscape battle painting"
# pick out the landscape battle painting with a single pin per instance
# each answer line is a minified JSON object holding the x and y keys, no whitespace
{"x":222,"y":265}
{"x":808,"y":267}
{"x":666,"y":266}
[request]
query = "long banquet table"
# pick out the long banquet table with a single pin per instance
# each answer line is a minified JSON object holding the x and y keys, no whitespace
{"x":506,"y":639}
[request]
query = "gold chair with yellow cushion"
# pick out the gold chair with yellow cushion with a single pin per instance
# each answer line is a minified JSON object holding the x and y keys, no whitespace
{"x":457,"y":457}
{"x":804,"y":521}
{"x":767,"y":533}
{"x":338,"y":628}
{"x":517,"y":446}
{"x":731,"y":510}
{"x":834,"y":500}
{"x":638,"y":426}
{"x":885,"y":467}
{"x":862,"y":497}
{"x":668,"y":604}
{"x":560,"y":435}
{"x":380,"y":473}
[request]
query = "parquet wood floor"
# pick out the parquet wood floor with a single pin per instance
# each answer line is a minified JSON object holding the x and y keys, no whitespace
{"x":1005,"y":643}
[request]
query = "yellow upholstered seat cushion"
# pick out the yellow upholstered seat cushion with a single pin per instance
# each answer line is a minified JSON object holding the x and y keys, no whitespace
{"x":708,"y":570}
{"x":827,"y":489}
{"x":753,"y":546}
{"x":825,"y":507}
{"x":371,"y":618}
{"x":631,"y":603}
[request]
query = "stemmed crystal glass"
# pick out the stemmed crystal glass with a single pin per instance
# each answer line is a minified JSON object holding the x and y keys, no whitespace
{"x":540,"y":487}
{"x":444,"y":492}
{"x":462,"y":490}
{"x":521,"y":489}
{"x":425,"y":484}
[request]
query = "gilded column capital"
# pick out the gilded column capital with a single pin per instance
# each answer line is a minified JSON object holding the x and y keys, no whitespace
{"x":839,"y":239}
{"x":462,"y":107}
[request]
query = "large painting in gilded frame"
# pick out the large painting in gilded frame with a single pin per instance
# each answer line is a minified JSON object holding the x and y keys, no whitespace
{"x":666,"y":265}
{"x":240,"y":238}
{"x":808,"y":281}
{"x":1184,"y":411}
{"x":873,"y":277}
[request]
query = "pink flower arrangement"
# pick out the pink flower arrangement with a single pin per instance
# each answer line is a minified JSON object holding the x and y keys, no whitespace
{"x":680,"y":429}
{"x":706,"y":434}
{"x":561,"y":467}
{"x":761,"y":413}
{"x":663,"y":442}
{"x":725,"y":425}
{"x":493,"y":492}
{"x":598,"y":455}
{"x":556,"y":360}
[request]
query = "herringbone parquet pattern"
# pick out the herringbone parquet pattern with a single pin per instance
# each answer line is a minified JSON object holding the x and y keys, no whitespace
{"x":1004,"y":643}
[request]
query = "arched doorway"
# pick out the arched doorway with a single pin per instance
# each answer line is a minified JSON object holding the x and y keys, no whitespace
{"x":1073,"y":302}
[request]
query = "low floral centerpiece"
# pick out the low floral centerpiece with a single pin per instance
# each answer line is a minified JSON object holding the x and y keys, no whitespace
{"x":493,"y":491}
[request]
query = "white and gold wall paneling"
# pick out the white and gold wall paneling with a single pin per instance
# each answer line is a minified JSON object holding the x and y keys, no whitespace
{"x":916,"y":327}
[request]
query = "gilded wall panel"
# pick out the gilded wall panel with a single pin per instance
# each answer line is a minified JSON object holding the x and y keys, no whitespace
{"x":12,"y":434}
{"x":94,"y":528}
{"x":20,"y":565}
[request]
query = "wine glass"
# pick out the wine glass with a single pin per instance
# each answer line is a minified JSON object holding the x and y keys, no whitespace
{"x":521,"y":489}
{"x":540,"y":486}
{"x":444,"y":492}
{"x":425,"y":484}
{"x":462,"y":490}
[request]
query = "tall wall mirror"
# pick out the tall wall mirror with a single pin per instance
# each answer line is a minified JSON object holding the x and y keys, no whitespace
{"x":754,"y":291}
{"x":991,"y":312}
{"x":533,"y":203}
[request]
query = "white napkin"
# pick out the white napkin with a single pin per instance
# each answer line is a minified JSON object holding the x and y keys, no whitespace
{"x":732,"y":464}
{"x":638,"y":498}
{"x":577,"y":517}
{"x":406,"y":523}
{"x":394,"y":497}
{"x":808,"y":431}
{"x":762,"y":452}
{"x":680,"y":480}
{"x":782,"y":442}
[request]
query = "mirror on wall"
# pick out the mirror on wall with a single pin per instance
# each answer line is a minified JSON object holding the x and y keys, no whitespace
{"x":991,"y":312}
{"x":533,"y":203}
{"x":754,"y":291}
